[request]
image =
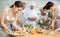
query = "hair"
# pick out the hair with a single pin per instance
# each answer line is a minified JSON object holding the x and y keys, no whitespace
{"x":48,"y":5}
{"x":23,"y":3}
{"x":17,"y":4}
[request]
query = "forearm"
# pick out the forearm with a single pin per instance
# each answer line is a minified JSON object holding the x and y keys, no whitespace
{"x":15,"y":21}
{"x":53,"y":23}
{"x":5,"y":27}
{"x":16,"y":26}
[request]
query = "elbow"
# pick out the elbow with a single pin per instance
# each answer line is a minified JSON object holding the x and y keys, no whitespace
{"x":1,"y":22}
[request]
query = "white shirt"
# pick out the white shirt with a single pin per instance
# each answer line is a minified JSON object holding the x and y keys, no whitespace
{"x":22,"y":16}
{"x":44,"y":17}
{"x":31,"y":13}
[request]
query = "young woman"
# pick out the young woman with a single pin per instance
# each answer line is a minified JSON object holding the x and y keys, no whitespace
{"x":45,"y":12}
{"x":51,"y":8}
{"x":10,"y":17}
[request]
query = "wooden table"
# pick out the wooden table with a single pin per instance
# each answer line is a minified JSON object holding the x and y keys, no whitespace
{"x":39,"y":35}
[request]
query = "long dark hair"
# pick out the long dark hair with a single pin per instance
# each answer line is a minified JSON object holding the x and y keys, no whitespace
{"x":48,"y":5}
{"x":17,"y":4}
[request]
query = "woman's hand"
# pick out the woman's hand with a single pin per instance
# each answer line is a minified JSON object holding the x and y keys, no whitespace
{"x":10,"y":32}
{"x":21,"y":30}
{"x":57,"y":30}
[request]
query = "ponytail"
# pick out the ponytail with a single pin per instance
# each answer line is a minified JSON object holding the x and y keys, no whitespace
{"x":11,"y":6}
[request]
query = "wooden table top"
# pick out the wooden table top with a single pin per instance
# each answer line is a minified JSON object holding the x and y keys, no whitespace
{"x":39,"y":35}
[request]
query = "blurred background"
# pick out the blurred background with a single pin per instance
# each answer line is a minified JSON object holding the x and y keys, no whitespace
{"x":39,"y":3}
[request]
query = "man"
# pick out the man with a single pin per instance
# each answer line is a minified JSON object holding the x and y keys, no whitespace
{"x":31,"y":15}
{"x":21,"y":14}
